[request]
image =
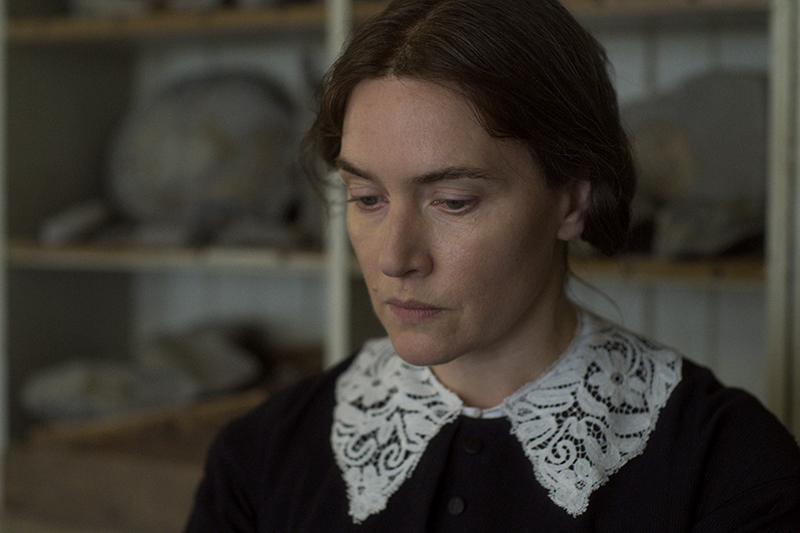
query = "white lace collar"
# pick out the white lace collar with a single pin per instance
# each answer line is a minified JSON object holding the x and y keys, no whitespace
{"x":578,"y":423}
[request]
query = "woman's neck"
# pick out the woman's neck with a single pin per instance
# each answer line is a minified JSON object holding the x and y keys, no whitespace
{"x":485,"y":378}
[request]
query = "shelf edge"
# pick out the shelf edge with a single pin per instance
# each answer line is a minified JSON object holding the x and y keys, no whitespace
{"x":744,"y":272}
{"x":34,"y":256}
{"x":234,"y":22}
{"x":31,"y":256}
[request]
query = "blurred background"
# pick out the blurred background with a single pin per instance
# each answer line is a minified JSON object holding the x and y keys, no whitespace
{"x":166,"y":267}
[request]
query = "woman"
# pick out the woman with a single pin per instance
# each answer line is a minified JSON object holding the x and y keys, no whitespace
{"x":476,"y":138}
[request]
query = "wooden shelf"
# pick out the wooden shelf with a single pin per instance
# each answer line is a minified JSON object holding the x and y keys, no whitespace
{"x":33,"y":256}
{"x":705,"y":272}
{"x":93,"y":257}
{"x":228,"y":23}
{"x":598,"y":14}
{"x":640,"y":8}
{"x":232,"y":22}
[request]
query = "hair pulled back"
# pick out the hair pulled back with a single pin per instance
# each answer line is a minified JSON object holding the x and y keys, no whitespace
{"x":530,"y":71}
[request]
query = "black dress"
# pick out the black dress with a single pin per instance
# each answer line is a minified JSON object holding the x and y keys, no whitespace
{"x":620,"y":435}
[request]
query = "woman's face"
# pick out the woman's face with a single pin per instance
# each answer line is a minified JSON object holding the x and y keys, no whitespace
{"x":459,"y":239}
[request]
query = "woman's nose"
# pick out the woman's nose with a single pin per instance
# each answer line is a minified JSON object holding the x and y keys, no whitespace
{"x":404,"y":251}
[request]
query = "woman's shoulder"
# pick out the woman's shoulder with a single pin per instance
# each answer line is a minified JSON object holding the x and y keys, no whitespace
{"x":731,"y":417}
{"x":267,"y":447}
{"x":717,"y":445}
{"x":306,"y":403}
{"x":747,"y":460}
{"x":702,"y":399}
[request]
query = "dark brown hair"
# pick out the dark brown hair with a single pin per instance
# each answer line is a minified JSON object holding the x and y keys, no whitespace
{"x":528,"y":68}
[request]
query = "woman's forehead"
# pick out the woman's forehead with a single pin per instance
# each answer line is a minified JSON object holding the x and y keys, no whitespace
{"x":415,"y":113}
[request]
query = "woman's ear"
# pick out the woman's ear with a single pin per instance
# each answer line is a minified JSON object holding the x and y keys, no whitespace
{"x":574,"y":203}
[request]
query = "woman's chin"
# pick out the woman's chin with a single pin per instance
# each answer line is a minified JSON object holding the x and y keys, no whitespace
{"x":420,"y":351}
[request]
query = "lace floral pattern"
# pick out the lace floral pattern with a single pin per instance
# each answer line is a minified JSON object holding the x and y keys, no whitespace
{"x":578,"y":424}
{"x":386,"y":413}
{"x":593,"y":411}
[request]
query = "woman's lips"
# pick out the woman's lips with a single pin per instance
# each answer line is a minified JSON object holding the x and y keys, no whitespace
{"x":413,"y":311}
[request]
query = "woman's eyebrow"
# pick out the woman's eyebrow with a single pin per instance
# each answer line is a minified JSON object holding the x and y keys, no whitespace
{"x":344,"y":165}
{"x":447,"y":173}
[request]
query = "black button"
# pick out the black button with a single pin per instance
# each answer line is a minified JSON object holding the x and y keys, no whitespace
{"x":456,"y":505}
{"x":473,"y":445}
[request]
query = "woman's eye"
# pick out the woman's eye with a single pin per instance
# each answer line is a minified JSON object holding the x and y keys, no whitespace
{"x":365,"y":202}
{"x":368,"y":200}
{"x":456,"y":205}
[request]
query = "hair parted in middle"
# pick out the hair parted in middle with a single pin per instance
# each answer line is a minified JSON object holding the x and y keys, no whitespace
{"x":530,"y":72}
